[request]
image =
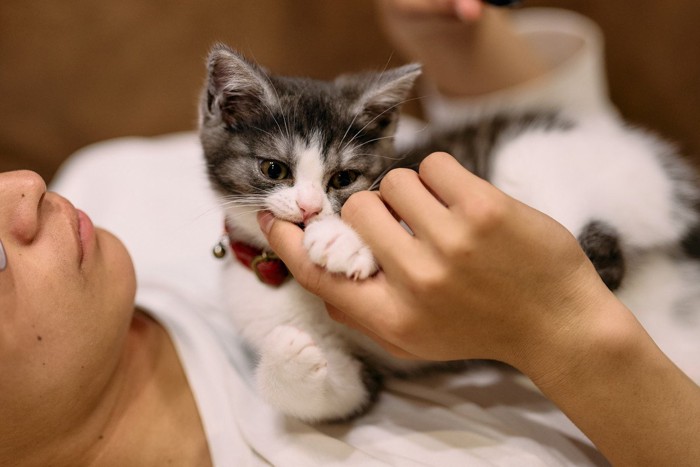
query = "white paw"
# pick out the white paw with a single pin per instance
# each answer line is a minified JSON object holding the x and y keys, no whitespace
{"x":334,"y":245}
{"x":299,"y":378}
{"x":292,"y":355}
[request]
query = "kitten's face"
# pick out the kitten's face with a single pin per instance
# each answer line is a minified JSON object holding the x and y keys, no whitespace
{"x":295,"y":177}
{"x":296,"y":147}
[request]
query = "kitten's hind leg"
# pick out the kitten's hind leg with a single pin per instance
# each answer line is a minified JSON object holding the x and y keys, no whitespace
{"x":601,"y":243}
{"x":313,"y":380}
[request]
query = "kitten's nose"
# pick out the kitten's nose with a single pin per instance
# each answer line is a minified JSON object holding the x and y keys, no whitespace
{"x":308,"y":211}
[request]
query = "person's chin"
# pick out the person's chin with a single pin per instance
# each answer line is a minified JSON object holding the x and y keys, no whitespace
{"x":116,"y":263}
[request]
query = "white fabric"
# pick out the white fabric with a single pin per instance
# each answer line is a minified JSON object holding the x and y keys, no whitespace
{"x":153,"y":193}
{"x":570,"y":45}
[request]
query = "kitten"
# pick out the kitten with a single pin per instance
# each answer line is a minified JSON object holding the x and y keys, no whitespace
{"x":299,"y":148}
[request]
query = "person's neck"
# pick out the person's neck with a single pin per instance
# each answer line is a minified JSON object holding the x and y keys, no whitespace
{"x":154,"y":421}
{"x":146,"y":415}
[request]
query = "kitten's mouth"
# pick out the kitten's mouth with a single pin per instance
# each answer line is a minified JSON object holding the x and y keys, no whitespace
{"x":301,"y":225}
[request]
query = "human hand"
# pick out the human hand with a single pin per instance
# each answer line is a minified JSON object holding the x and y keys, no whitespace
{"x":485,"y":276}
{"x":466,"y":10}
{"x":482,"y":276}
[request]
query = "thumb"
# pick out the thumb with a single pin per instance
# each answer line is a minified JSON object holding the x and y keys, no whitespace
{"x":284,"y":237}
{"x":286,"y":240}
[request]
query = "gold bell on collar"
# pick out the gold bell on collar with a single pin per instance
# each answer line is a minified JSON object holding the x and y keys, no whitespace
{"x":219,"y":250}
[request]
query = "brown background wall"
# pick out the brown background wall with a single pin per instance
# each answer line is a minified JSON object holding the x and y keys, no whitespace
{"x":79,"y":71}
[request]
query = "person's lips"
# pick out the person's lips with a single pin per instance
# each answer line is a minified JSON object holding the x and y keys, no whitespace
{"x":86,"y":234}
{"x":3,"y":257}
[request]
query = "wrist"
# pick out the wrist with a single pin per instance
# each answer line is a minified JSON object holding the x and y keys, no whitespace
{"x":598,"y":341}
{"x":614,"y":383}
{"x":589,"y":324}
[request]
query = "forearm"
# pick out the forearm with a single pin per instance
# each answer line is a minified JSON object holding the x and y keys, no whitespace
{"x":618,"y":387}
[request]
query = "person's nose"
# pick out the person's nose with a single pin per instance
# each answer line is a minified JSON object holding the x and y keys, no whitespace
{"x":20,"y":195}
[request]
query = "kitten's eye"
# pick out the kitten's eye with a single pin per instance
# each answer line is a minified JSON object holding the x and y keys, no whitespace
{"x":275,"y":170}
{"x":343,"y":179}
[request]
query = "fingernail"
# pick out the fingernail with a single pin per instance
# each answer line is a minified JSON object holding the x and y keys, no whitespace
{"x":265,"y":220}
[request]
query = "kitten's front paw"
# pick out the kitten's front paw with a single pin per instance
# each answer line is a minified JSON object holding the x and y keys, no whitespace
{"x":308,"y":379}
{"x":334,"y":245}
{"x":292,"y":354}
{"x":292,"y":372}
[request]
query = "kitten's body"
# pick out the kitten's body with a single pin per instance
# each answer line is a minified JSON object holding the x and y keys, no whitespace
{"x":299,"y":148}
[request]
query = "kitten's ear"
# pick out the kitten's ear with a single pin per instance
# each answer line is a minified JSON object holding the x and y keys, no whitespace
{"x":380,"y":97}
{"x":237,"y":90}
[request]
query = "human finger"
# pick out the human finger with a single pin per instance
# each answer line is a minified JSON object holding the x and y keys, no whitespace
{"x":408,"y":197}
{"x":375,"y":223}
{"x":449,"y":180}
{"x":468,"y":10}
{"x":421,"y":6}
{"x":286,"y":240}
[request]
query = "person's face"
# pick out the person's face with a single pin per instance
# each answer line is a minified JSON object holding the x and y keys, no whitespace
{"x":66,"y":302}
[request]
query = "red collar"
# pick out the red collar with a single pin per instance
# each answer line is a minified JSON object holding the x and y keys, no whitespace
{"x":266,"y":265}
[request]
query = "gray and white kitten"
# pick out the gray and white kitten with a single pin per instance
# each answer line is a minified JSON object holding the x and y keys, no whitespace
{"x":299,"y":148}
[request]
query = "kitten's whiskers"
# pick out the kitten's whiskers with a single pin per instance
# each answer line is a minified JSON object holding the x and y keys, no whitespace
{"x":377,"y":155}
{"x":346,"y":132}
{"x":375,"y":118}
{"x":373,"y":140}
{"x":244,"y":213}
{"x":264,"y":131}
{"x":279,"y":102}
